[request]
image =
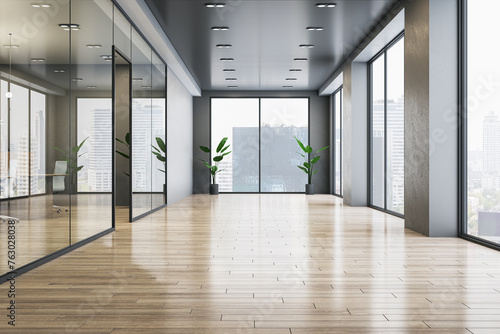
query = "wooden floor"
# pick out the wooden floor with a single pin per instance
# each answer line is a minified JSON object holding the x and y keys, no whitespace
{"x":271,"y":264}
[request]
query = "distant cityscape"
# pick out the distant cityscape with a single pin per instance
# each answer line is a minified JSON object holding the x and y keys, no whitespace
{"x":484,"y":182}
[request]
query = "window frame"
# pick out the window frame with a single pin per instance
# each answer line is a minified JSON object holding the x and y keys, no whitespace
{"x":382,"y":52}
{"x":339,"y":91}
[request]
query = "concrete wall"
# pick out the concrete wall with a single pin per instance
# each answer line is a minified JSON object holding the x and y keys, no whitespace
{"x":179,"y":140}
{"x":319,"y":133}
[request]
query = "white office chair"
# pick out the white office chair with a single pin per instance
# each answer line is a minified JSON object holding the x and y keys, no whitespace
{"x":61,"y":167}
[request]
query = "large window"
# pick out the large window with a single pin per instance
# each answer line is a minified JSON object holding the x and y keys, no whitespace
{"x":337,"y":141}
{"x":22,"y":141}
{"x":387,"y":129}
{"x":482,"y":129}
{"x":264,"y":151}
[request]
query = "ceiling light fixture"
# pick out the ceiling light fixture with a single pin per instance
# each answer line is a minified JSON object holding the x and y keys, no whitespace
{"x":326,"y":5}
{"x":11,"y":46}
{"x":136,"y":79}
{"x":37,"y":60}
{"x":314,"y":28}
{"x":220,"y":28}
{"x":306,"y":46}
{"x":77,"y":79}
{"x":91,"y":87}
{"x":227,"y":59}
{"x":146,"y":87}
{"x":107,"y":57}
{"x":59,"y":70}
{"x":224,"y":46}
{"x":40,"y":5}
{"x":94,"y":46}
{"x":300,"y":59}
{"x":232,"y":86}
{"x":69,"y":26}
{"x":290,"y":79}
{"x":295,"y":70}
{"x":287,"y":86}
{"x":231,"y":79}
{"x":215,"y":5}
{"x":229,"y":70}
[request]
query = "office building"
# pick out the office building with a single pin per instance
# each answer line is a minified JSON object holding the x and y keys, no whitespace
{"x":359,"y":190}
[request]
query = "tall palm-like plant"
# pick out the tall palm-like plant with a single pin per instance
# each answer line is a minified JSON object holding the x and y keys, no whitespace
{"x":71,"y":157}
{"x":160,"y":152}
{"x":221,"y":153}
{"x":307,"y":166}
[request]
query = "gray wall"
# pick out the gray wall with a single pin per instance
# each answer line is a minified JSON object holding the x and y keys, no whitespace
{"x":179,"y":140}
{"x":319,"y":133}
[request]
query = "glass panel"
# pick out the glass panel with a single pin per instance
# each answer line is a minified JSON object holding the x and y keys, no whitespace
{"x":142,"y":157}
{"x":91,"y":119}
{"x":37,"y":143}
{"x":237,"y":119}
{"x":158,"y":165}
{"x":19,"y":141}
{"x":377,"y":126}
{"x":4,"y":141}
{"x":395,"y":128}
{"x":338,"y":141}
{"x":39,"y":106}
{"x":483,"y":121}
{"x":94,"y":130}
{"x":281,"y":121}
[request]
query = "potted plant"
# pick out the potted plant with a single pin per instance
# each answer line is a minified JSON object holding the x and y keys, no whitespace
{"x":161,"y":154}
{"x":308,"y":165}
{"x":127,"y":145}
{"x":71,"y":158}
{"x":214,"y":169}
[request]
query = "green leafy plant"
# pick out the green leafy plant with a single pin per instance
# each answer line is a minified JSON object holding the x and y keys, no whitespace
{"x":127,"y":144}
{"x":307,"y":166}
{"x":71,"y":157}
{"x":160,"y":152}
{"x":221,"y":153}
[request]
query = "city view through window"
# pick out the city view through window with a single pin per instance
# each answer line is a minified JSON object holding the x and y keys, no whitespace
{"x":483,"y":121}
{"x":264,"y":153}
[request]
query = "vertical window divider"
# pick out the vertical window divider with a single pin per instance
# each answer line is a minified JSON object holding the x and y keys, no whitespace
{"x":260,"y":145}
{"x":385,"y":129}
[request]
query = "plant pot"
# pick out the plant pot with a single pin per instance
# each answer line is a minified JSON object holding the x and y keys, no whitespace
{"x":309,"y":189}
{"x":214,"y":189}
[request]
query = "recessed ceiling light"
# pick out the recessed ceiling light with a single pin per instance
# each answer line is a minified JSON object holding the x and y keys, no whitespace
{"x":306,"y":46}
{"x":227,"y":59}
{"x":314,"y":28}
{"x":232,"y":86}
{"x":326,"y":5}
{"x":69,"y":26}
{"x":290,"y":79}
{"x":229,"y":70}
{"x":224,"y":46}
{"x":136,"y":79}
{"x":146,"y":87}
{"x":94,"y":46}
{"x":40,"y":5}
{"x":107,"y":57}
{"x":91,"y":87}
{"x":287,"y":86}
{"x":59,"y":70}
{"x":220,"y":28}
{"x":295,"y":70}
{"x":300,"y":59}
{"x":37,"y":60}
{"x":231,"y":79}
{"x":11,"y":46}
{"x":215,"y":5}
{"x":77,"y":79}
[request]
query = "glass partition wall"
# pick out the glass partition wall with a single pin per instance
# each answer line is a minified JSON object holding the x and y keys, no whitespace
{"x":337,"y":101}
{"x":56,"y":123}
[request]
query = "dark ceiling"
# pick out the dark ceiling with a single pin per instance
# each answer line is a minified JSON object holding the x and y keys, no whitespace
{"x":265,"y":36}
